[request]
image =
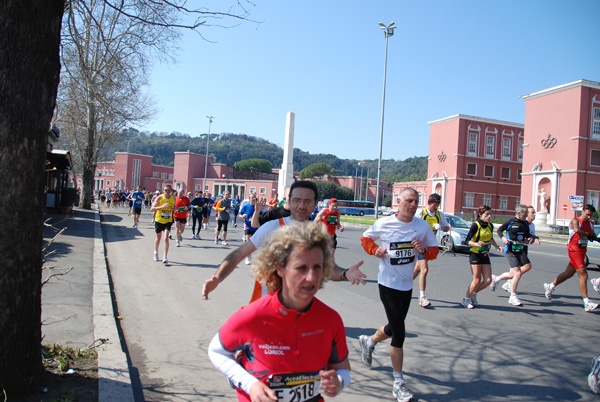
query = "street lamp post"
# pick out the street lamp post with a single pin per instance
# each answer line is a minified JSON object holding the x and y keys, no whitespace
{"x":388,"y":31}
{"x":210,"y":120}
{"x":361,"y":164}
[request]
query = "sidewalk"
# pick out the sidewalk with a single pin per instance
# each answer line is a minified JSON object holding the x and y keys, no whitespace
{"x":77,"y":307}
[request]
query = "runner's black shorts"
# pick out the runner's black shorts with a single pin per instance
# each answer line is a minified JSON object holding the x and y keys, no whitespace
{"x":479,"y":259}
{"x":161,"y":227}
{"x":517,"y":259}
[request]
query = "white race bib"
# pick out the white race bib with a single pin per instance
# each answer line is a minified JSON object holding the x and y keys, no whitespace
{"x":401,"y":253}
{"x":296,"y":387}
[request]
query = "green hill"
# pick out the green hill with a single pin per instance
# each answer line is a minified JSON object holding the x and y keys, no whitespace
{"x":230,"y":148}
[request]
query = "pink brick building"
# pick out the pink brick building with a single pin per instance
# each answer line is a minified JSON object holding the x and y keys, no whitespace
{"x":420,"y":186}
{"x":130,"y":170}
{"x":562,"y":148}
{"x":354,"y":183}
{"x":475,"y":161}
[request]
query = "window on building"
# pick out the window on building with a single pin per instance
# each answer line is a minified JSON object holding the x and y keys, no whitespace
{"x":489,"y":146}
{"x":519,"y":171}
{"x":488,"y":171}
{"x":505,"y":173}
{"x":520,"y":150}
{"x":253,"y":189}
{"x":107,"y":183}
{"x":472,"y":169}
{"x":472,"y":144}
{"x":197,"y":187}
{"x":420,"y":197}
{"x":506,"y":145}
{"x":517,"y":201}
{"x":164,"y":175}
{"x":503,"y":203}
{"x":595,"y":157}
{"x":155,"y":175}
{"x":486,"y":199}
{"x":596,"y":122}
{"x":264,"y":175}
{"x":593,"y":197}
{"x":469,"y":200}
{"x":263,"y":190}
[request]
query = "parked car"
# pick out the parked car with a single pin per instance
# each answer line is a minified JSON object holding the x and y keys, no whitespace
{"x":593,"y":251}
{"x":454,"y":239}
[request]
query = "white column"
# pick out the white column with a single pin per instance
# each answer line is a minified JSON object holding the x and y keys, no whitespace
{"x":286,"y":174}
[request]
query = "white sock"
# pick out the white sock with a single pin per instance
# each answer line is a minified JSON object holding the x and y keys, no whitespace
{"x":370,"y":343}
{"x":586,"y":300}
{"x":422,"y":294}
{"x":398,"y":377}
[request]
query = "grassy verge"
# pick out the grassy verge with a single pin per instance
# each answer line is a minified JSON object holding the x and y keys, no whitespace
{"x":365,"y":220}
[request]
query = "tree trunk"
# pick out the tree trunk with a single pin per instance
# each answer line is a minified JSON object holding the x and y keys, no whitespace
{"x":89,"y":165}
{"x":29,"y":75}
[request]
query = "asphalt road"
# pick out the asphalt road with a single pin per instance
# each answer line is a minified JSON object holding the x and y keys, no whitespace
{"x":540,"y":351}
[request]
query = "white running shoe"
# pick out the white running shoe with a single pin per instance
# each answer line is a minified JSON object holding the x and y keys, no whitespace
{"x":155,"y":256}
{"x":224,"y":243}
{"x":217,"y":240}
{"x":507,"y":285}
{"x":467,"y":303}
{"x":401,"y":393}
{"x":474,"y":301}
{"x":366,"y":352}
{"x":493,"y":284}
{"x":178,"y":243}
{"x":248,"y":261}
{"x":596,"y":285}
{"x":594,"y":374}
{"x":165,"y":260}
{"x":589,"y":306}
{"x":134,"y":225}
{"x":548,"y":291}
{"x":514,"y":300}
{"x":423,"y":302}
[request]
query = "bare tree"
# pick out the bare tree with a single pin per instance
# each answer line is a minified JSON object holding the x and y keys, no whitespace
{"x":107,"y":49}
{"x":29,"y":75}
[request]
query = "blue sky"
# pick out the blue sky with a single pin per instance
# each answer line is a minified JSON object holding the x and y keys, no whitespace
{"x":324,"y":61}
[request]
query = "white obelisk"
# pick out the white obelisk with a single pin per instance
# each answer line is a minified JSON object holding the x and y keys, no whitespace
{"x":286,"y":174}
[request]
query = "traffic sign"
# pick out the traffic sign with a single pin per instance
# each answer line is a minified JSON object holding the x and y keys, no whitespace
{"x":565,"y":207}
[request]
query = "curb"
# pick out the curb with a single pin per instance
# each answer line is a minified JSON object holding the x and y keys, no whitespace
{"x":114,"y":382}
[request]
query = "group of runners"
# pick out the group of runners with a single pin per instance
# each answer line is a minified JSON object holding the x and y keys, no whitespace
{"x":403,"y":243}
{"x":257,"y":348}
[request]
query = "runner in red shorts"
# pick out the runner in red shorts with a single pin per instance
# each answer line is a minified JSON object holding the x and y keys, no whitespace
{"x":580,"y":233}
